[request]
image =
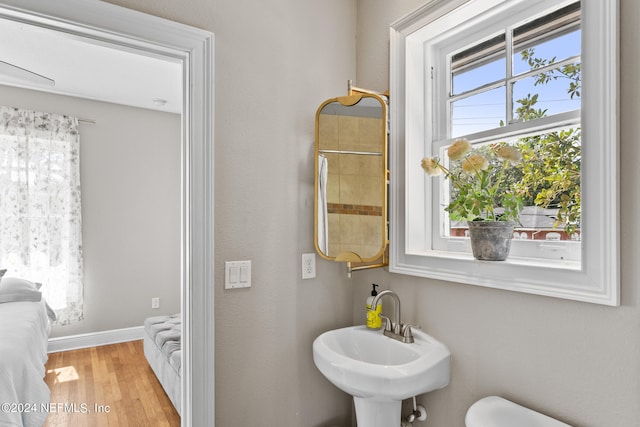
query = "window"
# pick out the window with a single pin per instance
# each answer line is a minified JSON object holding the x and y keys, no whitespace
{"x":510,"y":71}
{"x":499,"y":89}
{"x":40,"y":212}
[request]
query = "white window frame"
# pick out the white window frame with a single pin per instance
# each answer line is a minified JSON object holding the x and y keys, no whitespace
{"x":596,"y":278}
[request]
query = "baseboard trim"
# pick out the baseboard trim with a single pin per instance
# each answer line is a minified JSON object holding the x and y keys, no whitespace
{"x":95,"y":339}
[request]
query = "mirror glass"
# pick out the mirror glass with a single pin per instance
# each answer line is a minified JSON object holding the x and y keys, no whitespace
{"x":351,"y":178}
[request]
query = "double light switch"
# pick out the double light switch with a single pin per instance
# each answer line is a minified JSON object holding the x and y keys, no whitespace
{"x":237,"y":274}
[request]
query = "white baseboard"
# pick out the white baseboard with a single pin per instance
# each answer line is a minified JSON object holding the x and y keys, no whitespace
{"x":94,"y":339}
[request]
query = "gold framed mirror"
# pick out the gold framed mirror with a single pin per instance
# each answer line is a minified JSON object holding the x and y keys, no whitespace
{"x":351,"y":180}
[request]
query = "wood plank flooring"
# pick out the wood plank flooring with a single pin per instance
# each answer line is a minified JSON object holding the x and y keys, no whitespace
{"x":110,"y":385}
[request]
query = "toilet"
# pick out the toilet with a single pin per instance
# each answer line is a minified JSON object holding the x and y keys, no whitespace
{"x":494,"y":411}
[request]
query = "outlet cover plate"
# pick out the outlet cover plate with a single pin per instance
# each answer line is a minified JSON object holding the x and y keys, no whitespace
{"x":309,"y":266}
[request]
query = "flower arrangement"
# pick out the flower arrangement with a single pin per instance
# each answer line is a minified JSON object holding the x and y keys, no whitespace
{"x":478,"y":181}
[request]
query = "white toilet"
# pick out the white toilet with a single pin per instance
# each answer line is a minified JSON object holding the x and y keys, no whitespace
{"x":494,"y":411}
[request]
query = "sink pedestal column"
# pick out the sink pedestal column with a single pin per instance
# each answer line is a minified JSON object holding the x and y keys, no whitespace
{"x":377,"y":413}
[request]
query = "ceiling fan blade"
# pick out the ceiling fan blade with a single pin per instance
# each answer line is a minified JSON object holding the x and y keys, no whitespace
{"x":16,"y":72}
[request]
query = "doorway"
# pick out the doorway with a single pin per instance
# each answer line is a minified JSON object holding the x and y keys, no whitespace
{"x":131,"y":31}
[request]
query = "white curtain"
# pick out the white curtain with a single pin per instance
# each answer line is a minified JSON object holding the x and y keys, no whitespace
{"x":40,"y":222}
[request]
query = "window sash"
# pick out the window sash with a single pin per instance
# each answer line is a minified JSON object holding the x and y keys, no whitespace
{"x":443,"y":58}
{"x":569,"y":251}
{"x":546,"y":27}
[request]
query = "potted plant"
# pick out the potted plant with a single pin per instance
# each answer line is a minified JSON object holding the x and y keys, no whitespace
{"x":479,"y":194}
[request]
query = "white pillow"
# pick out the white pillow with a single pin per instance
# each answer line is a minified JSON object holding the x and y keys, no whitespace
{"x":13,"y":289}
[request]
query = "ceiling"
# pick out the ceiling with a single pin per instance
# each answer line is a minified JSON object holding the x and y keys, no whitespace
{"x":89,"y":69}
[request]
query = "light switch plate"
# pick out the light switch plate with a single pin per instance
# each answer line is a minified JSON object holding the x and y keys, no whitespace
{"x":237,"y":274}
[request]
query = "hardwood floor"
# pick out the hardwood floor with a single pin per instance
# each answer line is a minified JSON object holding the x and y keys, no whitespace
{"x":110,"y":385}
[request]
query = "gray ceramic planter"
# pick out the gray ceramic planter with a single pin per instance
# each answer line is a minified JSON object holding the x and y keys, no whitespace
{"x":491,"y":240}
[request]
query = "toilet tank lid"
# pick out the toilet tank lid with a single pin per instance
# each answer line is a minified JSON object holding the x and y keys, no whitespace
{"x":494,"y":411}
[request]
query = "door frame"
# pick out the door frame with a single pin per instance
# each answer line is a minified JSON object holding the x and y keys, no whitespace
{"x":194,"y":49}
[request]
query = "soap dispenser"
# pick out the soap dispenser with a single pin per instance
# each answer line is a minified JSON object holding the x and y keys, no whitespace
{"x":374,"y":321}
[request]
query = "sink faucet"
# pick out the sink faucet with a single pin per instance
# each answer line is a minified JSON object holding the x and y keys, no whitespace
{"x":393,"y":329}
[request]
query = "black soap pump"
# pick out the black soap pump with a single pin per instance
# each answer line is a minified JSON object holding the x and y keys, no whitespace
{"x":374,"y":321}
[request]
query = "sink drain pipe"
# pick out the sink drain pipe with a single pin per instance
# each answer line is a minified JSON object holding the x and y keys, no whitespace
{"x":419,"y":413}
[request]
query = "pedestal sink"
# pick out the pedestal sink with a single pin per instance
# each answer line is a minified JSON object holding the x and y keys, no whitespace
{"x":380,"y":372}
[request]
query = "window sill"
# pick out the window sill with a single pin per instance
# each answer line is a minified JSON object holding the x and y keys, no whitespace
{"x":559,"y":279}
{"x":511,"y":260}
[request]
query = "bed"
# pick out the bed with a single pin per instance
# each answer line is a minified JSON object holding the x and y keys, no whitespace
{"x":24,"y":332}
{"x":163,"y":351}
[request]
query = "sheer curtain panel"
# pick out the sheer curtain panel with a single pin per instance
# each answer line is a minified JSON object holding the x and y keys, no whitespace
{"x":40,"y":215}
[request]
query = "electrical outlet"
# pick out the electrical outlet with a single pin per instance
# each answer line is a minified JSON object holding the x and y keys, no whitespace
{"x":308,"y":266}
{"x":155,"y":302}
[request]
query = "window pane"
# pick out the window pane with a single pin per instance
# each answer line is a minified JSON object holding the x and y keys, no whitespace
{"x":548,"y":39}
{"x":551,"y":175}
{"x":547,"y":94}
{"x":547,"y":179}
{"x":478,"y":112}
{"x":472,"y":78}
{"x":478,"y":65}
{"x":528,"y":57}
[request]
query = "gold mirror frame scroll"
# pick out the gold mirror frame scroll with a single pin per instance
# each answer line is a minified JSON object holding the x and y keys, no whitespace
{"x":377,"y":257}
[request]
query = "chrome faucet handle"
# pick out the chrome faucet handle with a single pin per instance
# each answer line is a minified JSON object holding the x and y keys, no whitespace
{"x":407,"y":335}
{"x":387,"y":322}
{"x":407,"y":326}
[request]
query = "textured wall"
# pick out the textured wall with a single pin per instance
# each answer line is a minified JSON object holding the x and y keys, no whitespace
{"x":575,"y":361}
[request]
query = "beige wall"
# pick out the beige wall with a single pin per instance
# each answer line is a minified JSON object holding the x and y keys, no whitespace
{"x":575,"y":361}
{"x":130,"y":177}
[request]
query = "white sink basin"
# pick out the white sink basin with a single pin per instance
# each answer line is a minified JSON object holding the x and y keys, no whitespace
{"x":366,"y":364}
